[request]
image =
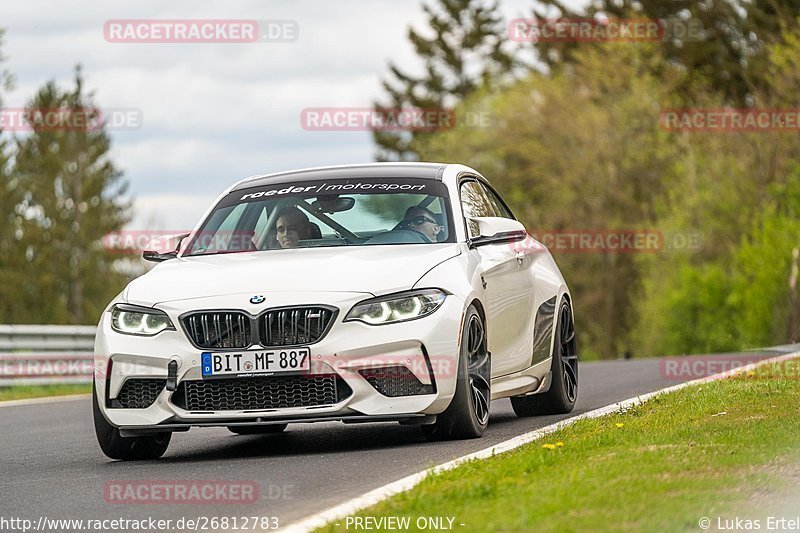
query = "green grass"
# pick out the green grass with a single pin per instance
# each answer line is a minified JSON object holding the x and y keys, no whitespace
{"x":673,"y":460}
{"x":22,"y":392}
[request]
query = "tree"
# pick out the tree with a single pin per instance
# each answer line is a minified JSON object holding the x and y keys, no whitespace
{"x":73,"y":195}
{"x":467,"y":50}
{"x":10,"y":249}
{"x":729,"y":50}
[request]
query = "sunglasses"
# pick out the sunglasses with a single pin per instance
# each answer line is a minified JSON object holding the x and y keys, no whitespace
{"x":418,"y":221}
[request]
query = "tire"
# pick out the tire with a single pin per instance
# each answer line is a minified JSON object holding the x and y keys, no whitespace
{"x":115,"y":446}
{"x":468,"y":413}
{"x":257,"y":430}
{"x":563,"y":391}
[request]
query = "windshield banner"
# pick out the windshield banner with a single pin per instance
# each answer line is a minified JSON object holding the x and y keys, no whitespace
{"x":337,"y":187}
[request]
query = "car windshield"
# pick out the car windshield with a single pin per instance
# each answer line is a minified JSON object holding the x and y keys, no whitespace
{"x":343,"y":212}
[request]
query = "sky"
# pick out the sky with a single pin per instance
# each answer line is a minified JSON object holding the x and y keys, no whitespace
{"x":215,"y":113}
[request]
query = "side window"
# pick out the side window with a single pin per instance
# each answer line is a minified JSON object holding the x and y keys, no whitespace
{"x":219,"y":232}
{"x":499,"y":206}
{"x":437,"y":208}
{"x":475,"y":203}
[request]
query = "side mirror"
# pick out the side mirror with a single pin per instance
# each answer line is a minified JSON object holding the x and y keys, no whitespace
{"x":495,"y":230}
{"x":163,"y":248}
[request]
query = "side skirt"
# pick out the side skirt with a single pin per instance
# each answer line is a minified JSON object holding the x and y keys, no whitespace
{"x":533,"y":380}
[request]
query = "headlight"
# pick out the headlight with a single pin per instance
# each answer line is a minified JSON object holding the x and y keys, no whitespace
{"x":135,"y":320}
{"x":397,"y":307}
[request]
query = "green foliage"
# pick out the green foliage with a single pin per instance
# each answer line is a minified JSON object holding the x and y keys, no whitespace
{"x":739,"y":299}
{"x":743,"y":191}
{"x":760,"y":292}
{"x":579,"y":147}
{"x":687,"y":311}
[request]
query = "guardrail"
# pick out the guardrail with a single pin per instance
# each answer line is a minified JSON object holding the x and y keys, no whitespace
{"x":38,"y":354}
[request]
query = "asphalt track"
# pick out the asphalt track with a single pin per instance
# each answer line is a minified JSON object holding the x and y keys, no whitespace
{"x":50,"y":464}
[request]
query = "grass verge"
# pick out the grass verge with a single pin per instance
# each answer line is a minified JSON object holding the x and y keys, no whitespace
{"x":659,"y":466}
{"x":24,"y":392}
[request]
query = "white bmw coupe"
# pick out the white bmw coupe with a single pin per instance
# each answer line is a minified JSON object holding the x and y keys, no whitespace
{"x":403,"y":292}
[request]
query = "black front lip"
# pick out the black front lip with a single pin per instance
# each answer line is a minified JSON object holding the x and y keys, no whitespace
{"x":178,"y":424}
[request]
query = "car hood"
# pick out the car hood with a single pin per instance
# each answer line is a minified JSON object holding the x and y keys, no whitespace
{"x":369,"y":269}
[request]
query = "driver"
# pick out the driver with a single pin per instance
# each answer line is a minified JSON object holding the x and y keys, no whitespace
{"x":291,"y":227}
{"x":422,"y":220}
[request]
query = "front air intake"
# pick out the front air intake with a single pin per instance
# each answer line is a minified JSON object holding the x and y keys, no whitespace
{"x":275,"y":392}
{"x":137,"y":393}
{"x":394,"y":381}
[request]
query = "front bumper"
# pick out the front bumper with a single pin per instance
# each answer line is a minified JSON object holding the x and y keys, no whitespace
{"x":426,"y":347}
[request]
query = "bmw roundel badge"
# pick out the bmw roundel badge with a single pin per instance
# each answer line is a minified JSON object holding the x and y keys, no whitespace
{"x":257,"y":299}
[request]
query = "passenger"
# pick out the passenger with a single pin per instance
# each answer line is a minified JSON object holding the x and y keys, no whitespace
{"x":422,"y":220}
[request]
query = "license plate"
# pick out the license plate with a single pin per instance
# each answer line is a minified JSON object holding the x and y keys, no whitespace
{"x":254,"y":363}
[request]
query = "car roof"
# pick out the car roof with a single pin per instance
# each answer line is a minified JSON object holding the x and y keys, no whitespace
{"x":370,"y":170}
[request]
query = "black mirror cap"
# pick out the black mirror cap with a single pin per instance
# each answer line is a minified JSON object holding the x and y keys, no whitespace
{"x":157,"y":257}
{"x":504,"y":237}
